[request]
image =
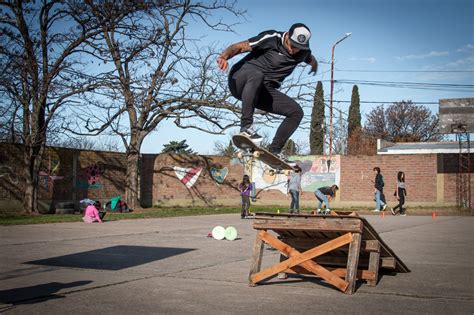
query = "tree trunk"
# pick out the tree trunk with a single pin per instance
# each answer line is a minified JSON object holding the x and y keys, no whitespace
{"x":131,"y":180}
{"x":32,"y":163}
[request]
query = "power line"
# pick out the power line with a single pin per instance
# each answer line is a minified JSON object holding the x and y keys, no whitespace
{"x":411,"y":85}
{"x":387,"y":102}
{"x":408,"y":71}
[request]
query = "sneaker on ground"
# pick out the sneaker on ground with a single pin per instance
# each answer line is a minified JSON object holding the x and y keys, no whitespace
{"x":403,"y":215}
{"x":252,"y":135}
{"x":377,"y":210}
{"x":391,"y":210}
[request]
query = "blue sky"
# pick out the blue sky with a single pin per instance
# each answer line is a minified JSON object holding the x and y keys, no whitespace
{"x":397,"y":41}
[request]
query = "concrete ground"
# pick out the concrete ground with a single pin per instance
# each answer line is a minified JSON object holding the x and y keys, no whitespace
{"x":160,"y":266}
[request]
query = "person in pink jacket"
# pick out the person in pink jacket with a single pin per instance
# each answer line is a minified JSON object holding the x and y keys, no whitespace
{"x":91,"y":214}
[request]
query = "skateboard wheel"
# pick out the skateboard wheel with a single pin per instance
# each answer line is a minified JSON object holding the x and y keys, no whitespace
{"x":240,"y":155}
{"x":256,"y":154}
{"x":271,"y":172}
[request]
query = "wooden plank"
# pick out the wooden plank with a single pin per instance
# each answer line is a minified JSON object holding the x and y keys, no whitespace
{"x":334,"y":225}
{"x":340,"y":272}
{"x":256,"y":262}
{"x":371,"y":246}
{"x":374,"y":261}
{"x":388,"y":263}
{"x":296,"y":258}
{"x":306,"y":243}
{"x":353,"y":262}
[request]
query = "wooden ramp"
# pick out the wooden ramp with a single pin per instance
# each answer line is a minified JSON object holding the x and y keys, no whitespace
{"x":340,"y":249}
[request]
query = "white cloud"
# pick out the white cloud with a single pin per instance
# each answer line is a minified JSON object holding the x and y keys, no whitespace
{"x":368,"y":59}
{"x":465,"y":48}
{"x":431,"y":54}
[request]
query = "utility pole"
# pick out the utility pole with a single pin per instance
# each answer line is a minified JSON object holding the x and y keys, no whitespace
{"x":332,"y":90}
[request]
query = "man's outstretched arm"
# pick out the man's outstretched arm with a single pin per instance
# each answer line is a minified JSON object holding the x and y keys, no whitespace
{"x":231,"y":51}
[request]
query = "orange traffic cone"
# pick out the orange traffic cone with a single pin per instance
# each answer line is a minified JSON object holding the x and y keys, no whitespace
{"x":383,"y":215}
{"x":433,"y":215}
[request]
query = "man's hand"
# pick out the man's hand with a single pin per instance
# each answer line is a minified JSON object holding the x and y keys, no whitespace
{"x":314,"y":65}
{"x":222,"y":63}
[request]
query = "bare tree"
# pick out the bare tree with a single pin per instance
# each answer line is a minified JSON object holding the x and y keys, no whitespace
{"x":402,"y":122}
{"x":39,"y":54}
{"x":157,"y":73}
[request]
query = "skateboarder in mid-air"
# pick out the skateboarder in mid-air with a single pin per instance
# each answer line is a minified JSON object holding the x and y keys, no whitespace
{"x":255,"y":78}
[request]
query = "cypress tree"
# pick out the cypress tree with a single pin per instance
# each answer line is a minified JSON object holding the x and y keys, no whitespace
{"x":354,"y":121}
{"x":317,"y":130}
{"x":354,"y":112}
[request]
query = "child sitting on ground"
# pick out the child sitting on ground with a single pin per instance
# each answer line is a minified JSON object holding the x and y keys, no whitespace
{"x":92,"y":214}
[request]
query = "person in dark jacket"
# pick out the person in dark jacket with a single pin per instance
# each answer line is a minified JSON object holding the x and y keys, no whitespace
{"x":378,"y":190}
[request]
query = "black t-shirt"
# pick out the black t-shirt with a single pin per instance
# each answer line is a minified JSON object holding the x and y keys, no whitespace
{"x":270,"y":56}
{"x":327,"y":191}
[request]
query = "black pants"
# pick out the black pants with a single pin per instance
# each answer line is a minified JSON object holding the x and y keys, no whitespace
{"x":245,"y":206}
{"x":401,"y":200}
{"x":247,"y":84}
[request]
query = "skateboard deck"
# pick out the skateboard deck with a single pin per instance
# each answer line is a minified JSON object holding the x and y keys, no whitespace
{"x":244,"y":143}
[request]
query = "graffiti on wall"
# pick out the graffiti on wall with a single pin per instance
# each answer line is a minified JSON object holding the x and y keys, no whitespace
{"x":94,"y":172}
{"x":317,"y":171}
{"x":219,"y":174}
{"x":49,"y":175}
{"x":187,"y":176}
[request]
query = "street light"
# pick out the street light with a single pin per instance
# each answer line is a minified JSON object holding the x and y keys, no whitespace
{"x":332,"y":89}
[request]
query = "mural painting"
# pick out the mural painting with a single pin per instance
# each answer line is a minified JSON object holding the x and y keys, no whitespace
{"x":219,"y":174}
{"x":187,"y":176}
{"x":49,"y":176}
{"x":317,"y":171}
{"x":94,"y":172}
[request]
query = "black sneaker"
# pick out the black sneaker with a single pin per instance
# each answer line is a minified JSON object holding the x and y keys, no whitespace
{"x":284,"y":158}
{"x":251,"y":134}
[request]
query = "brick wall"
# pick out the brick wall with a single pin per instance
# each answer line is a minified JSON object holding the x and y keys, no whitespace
{"x":430,"y":179}
{"x":66,"y":175}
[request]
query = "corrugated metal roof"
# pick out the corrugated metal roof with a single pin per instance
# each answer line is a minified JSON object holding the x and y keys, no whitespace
{"x":384,"y":147}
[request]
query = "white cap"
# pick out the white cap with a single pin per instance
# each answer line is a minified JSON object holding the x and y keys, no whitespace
{"x":299,"y":36}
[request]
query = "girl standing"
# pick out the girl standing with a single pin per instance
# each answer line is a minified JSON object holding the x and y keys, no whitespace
{"x":400,"y":193}
{"x":245,"y":188}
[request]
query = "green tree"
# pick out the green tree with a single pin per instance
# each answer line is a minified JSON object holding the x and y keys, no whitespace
{"x":177,"y":147}
{"x":317,"y":129}
{"x":354,"y":122}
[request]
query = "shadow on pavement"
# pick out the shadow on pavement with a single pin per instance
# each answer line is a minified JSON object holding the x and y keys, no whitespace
{"x":112,"y":258}
{"x":37,"y":293}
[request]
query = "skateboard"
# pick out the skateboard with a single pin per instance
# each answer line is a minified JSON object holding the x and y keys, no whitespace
{"x":248,"y":147}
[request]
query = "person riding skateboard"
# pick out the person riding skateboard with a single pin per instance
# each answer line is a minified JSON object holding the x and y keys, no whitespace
{"x":255,"y":79}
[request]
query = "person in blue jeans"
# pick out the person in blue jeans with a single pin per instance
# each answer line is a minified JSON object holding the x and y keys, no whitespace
{"x":378,"y":190}
{"x":323,"y":194}
{"x":294,"y":188}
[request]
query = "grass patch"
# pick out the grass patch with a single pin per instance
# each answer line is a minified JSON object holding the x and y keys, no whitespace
{"x":18,"y":219}
{"x":13,"y":219}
